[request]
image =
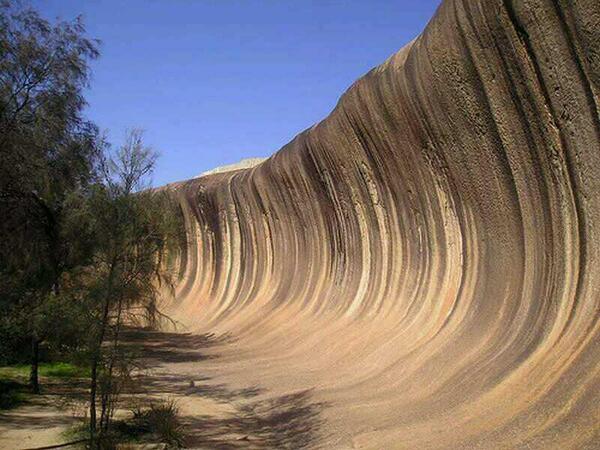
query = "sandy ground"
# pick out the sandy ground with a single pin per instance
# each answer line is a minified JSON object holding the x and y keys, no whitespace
{"x":33,"y":426}
{"x":216,"y":415}
{"x":42,"y":419}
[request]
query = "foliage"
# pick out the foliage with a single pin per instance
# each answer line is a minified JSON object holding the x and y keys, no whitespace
{"x":160,"y":421}
{"x":48,"y":149}
{"x":48,"y":161}
{"x":133,"y":231}
{"x":83,"y":238}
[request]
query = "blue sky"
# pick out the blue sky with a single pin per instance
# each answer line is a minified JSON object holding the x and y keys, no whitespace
{"x":215,"y":81}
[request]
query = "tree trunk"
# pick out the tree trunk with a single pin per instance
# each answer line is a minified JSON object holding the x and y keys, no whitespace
{"x":93,"y":386}
{"x":109,"y":397}
{"x":96,"y":356}
{"x":35,"y":357}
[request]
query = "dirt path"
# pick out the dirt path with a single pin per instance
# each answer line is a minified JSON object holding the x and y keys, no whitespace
{"x":216,"y":415}
{"x":42,"y":420}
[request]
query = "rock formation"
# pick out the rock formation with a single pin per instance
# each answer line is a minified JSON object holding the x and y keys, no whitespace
{"x":427,"y":258}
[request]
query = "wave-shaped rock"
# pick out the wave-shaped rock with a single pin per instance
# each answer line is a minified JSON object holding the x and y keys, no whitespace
{"x":426,"y":258}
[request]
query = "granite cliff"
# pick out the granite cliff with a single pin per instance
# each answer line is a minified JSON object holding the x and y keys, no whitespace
{"x":426,"y":260}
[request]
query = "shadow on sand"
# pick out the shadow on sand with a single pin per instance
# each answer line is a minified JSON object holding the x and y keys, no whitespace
{"x":287,"y":422}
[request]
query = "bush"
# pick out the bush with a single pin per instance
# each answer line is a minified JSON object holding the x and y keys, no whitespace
{"x":159,"y":422}
{"x":163,"y":418}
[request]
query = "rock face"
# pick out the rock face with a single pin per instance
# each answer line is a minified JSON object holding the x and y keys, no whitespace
{"x":427,"y":258}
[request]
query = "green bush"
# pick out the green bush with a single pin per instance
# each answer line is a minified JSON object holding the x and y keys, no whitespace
{"x":160,"y":422}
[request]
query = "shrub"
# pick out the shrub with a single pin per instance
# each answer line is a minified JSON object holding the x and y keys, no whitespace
{"x":162,"y":421}
{"x":159,"y":422}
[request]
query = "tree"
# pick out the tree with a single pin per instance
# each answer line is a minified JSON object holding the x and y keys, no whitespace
{"x":82,"y":235}
{"x":48,"y":155}
{"x":133,"y":229}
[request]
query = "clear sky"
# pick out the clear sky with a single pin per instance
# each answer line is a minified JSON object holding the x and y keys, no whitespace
{"x":215,"y":81}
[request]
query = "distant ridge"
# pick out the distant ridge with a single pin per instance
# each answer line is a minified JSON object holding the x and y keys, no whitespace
{"x":242,"y":164}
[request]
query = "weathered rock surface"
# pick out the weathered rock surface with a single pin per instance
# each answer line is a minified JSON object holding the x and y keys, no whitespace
{"x":427,"y":258}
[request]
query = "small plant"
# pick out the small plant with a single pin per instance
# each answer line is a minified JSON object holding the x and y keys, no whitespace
{"x":160,"y":422}
{"x":75,"y":432}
